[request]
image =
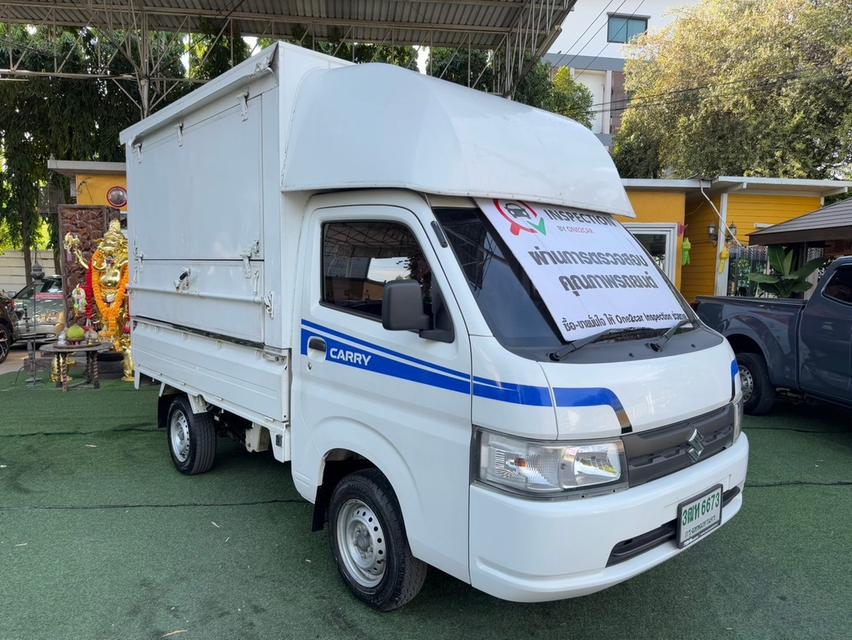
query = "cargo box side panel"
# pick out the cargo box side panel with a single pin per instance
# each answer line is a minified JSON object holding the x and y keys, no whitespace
{"x":235,"y":377}
{"x":197,"y":185}
{"x":223,"y":298}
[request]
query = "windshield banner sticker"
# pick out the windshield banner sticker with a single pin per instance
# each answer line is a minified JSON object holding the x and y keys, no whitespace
{"x":591,"y":272}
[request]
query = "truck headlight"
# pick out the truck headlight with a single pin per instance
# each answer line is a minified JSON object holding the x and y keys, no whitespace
{"x":549,"y":468}
{"x":738,"y":416}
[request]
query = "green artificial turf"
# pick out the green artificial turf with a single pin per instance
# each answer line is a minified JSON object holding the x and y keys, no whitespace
{"x":101,"y":538}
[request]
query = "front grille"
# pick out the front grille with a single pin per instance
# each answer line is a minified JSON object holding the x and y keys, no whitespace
{"x":632,"y":547}
{"x":659,"y":452}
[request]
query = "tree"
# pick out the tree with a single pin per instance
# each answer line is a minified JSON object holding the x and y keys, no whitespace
{"x":215,"y":50}
{"x":741,"y":87}
{"x":560,"y":93}
{"x":570,"y":98}
{"x":62,"y":118}
{"x":335,"y":45}
{"x":457,"y":66}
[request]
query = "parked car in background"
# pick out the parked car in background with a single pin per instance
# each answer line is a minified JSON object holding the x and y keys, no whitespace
{"x":8,"y":320}
{"x":803,"y":347}
{"x":38,"y":307}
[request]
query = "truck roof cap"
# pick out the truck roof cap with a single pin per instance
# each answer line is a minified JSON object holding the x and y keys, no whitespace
{"x":377,"y":125}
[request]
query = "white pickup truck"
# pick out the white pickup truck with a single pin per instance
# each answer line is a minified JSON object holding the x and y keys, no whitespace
{"x":418,"y":296}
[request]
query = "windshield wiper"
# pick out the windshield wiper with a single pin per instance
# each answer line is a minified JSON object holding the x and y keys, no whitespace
{"x":659,"y":344}
{"x":571,"y":347}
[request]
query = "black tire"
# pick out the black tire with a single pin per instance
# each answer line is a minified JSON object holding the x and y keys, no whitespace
{"x":5,"y":341}
{"x":762,"y":396}
{"x":200,"y":450}
{"x":402,"y":574}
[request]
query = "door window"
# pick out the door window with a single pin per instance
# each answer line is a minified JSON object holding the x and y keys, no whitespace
{"x":359,"y":257}
{"x":840,"y":286}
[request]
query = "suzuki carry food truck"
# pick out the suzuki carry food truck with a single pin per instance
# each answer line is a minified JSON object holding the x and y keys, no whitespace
{"x":419,"y":296}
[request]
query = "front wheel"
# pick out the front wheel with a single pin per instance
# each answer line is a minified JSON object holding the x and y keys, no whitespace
{"x":369,"y":543}
{"x":191,"y":436}
{"x":758,"y":392}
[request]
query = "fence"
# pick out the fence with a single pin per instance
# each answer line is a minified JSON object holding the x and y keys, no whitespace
{"x":12,"y":274}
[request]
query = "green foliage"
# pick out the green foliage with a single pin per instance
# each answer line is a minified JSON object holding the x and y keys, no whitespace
{"x":61,"y":118}
{"x":401,"y":56}
{"x":570,"y":98}
{"x":213,"y":51}
{"x":636,"y":155}
{"x":741,"y":87}
{"x":560,"y":94}
{"x":784,"y":282}
{"x":452,"y":64}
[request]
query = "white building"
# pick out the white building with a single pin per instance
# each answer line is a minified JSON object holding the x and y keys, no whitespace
{"x":592,"y":44}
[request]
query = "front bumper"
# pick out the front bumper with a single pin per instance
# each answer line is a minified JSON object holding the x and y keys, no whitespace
{"x":536,"y":550}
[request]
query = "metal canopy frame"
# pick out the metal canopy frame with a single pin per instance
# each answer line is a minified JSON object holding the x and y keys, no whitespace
{"x":516,"y":32}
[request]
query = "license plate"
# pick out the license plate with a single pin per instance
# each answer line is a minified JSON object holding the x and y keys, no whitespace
{"x":698,"y":516}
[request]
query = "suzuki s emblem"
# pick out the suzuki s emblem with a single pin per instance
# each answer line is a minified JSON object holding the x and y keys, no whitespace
{"x":696,"y":445}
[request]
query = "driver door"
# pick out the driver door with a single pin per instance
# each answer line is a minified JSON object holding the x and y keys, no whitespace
{"x":397,"y":399}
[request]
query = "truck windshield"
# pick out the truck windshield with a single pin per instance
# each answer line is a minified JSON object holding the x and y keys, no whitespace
{"x":512,"y":306}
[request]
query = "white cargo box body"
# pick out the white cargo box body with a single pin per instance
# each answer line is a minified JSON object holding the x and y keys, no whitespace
{"x":210,"y":254}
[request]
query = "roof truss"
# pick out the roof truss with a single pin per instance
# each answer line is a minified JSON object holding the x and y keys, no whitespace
{"x":518,"y":32}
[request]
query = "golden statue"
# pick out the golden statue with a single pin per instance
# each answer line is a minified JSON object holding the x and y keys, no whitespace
{"x":107,"y":276}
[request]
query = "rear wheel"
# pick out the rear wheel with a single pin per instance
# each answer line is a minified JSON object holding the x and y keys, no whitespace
{"x":191,"y":436}
{"x":5,"y":341}
{"x":758,"y":392}
{"x":369,"y":543}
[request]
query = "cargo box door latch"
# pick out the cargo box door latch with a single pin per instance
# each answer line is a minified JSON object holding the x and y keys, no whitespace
{"x":138,"y":259}
{"x":268,"y":304}
{"x":252,"y":252}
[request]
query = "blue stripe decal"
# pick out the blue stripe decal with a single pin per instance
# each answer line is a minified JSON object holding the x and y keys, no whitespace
{"x":735,"y":369}
{"x":514,"y":393}
{"x":349,"y":355}
{"x":593,"y":397}
{"x":391,"y":352}
{"x":586,"y":397}
{"x":345,"y":354}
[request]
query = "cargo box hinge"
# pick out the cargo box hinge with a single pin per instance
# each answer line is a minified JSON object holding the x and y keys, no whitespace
{"x":242,"y":99}
{"x":267,"y":302}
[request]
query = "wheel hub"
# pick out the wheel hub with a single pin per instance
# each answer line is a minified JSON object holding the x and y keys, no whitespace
{"x":747,"y":381}
{"x":361,"y":543}
{"x":179,"y":435}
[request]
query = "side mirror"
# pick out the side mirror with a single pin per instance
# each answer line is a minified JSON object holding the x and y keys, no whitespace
{"x":402,"y":308}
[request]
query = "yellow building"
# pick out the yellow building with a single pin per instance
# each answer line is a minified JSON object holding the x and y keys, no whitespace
{"x":95,"y":183}
{"x":667,"y":211}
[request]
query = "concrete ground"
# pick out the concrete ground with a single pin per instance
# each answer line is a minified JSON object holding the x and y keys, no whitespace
{"x":13,"y":362}
{"x":101,"y":538}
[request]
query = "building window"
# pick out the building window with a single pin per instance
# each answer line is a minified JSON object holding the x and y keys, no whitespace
{"x":624,"y":28}
{"x":360,"y":257}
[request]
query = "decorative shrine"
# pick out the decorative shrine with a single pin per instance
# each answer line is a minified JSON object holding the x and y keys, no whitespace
{"x":101,"y":304}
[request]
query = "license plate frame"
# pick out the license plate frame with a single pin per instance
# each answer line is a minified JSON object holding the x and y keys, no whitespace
{"x":715,"y":510}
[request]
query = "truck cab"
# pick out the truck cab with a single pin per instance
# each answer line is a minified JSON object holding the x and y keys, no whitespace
{"x":421,"y":298}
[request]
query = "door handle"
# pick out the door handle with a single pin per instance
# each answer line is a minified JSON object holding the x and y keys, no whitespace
{"x":316,"y":343}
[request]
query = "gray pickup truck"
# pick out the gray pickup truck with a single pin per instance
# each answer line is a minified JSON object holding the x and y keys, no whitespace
{"x":801,"y":346}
